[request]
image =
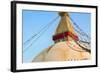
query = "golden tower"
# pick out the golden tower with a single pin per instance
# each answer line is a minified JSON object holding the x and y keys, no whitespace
{"x":65,"y":30}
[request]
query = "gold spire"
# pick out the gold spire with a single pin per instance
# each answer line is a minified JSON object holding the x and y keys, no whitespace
{"x":65,"y":25}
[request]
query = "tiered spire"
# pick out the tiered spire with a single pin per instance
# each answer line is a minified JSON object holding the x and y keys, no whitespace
{"x":65,"y":30}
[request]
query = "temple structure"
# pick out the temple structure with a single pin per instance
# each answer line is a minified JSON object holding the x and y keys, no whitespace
{"x":65,"y":47}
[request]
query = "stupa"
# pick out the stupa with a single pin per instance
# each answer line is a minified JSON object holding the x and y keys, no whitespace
{"x":65,"y":48}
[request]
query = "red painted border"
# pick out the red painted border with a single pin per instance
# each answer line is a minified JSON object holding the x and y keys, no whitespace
{"x":65,"y":34}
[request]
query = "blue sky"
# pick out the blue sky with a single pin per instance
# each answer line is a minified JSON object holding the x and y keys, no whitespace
{"x":34,"y":20}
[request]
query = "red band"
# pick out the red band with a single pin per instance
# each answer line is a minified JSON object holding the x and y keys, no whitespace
{"x":65,"y":34}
